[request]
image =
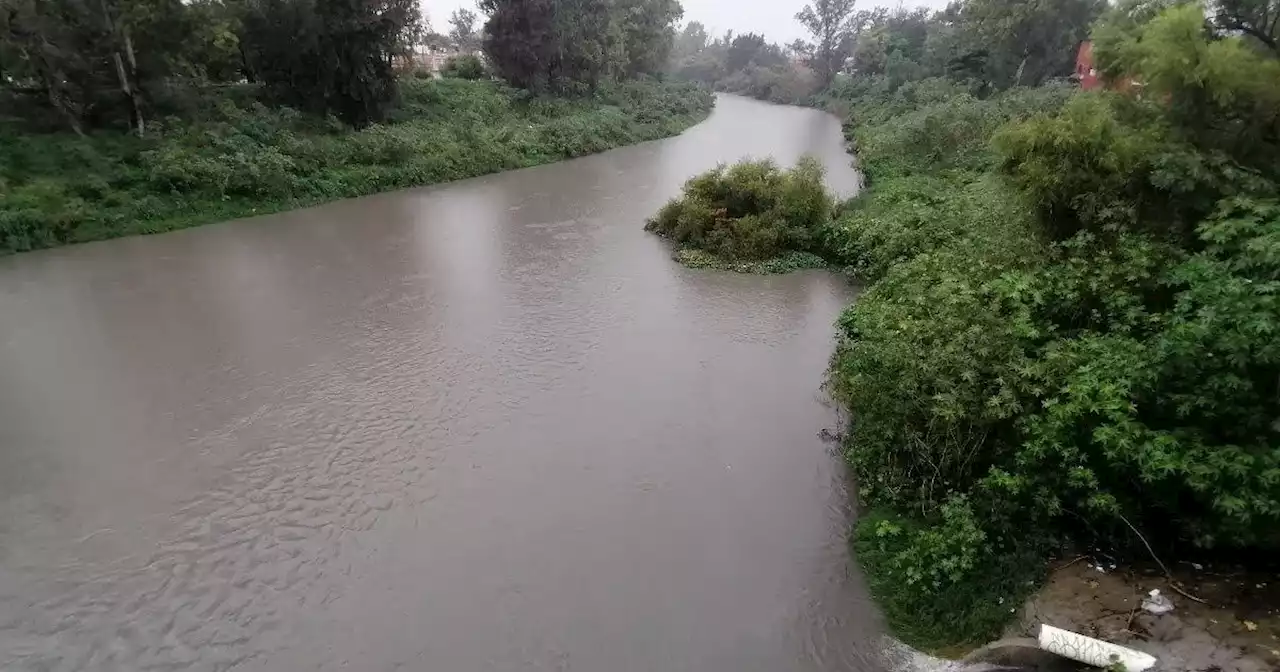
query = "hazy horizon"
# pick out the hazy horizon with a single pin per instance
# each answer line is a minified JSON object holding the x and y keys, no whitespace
{"x":775,"y":19}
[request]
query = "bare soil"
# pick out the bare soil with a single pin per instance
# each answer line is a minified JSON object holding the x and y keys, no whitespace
{"x":1235,"y":629}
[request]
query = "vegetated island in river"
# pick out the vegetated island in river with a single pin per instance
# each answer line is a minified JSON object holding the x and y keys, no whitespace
{"x":1065,"y":358}
{"x":752,"y":217}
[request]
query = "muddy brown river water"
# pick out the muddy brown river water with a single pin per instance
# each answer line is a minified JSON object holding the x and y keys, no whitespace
{"x":488,"y":425}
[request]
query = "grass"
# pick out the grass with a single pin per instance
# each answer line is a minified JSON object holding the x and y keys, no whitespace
{"x":228,"y":156}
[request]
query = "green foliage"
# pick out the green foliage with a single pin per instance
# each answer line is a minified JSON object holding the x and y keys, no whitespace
{"x":933,"y":125}
{"x":782,"y":83}
{"x":1206,"y":128}
{"x":832,"y":24}
{"x":902,"y":218}
{"x":1028,"y":43}
{"x":786,"y":263}
{"x":1087,"y":168}
{"x":944,"y":584}
{"x":750,"y":211}
{"x":572,"y":46}
{"x":462,"y":29}
{"x":746,"y":65}
{"x":1071,"y":326}
{"x":464,"y":66}
{"x":57,"y":189}
{"x":330,"y":56}
{"x":1221,"y":95}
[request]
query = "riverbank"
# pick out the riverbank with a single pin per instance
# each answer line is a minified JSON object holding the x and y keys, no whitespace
{"x":1064,"y":343}
{"x":233,"y":157}
{"x":1223,"y":617}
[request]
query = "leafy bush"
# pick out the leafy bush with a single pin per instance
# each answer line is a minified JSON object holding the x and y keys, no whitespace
{"x":464,"y":66}
{"x":904,"y":217}
{"x":925,"y":127}
{"x":1107,"y":163}
{"x":944,"y":584}
{"x":752,"y":210}
{"x":1072,"y":324}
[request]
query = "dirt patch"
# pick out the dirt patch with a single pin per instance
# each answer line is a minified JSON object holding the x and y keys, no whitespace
{"x":1236,"y":629}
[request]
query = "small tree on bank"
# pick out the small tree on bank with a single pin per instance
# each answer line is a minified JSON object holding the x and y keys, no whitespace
{"x":831,"y":22}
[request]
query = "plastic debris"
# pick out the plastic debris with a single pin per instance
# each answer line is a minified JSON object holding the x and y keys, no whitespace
{"x":1155,"y":603}
{"x":1092,"y":651}
{"x":1250,"y":626}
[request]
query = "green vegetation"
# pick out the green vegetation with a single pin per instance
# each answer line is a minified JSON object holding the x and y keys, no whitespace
{"x":935,"y":582}
{"x":137,"y":116}
{"x":752,"y":211}
{"x":244,"y":158}
{"x":571,"y":46}
{"x":464,"y":66}
{"x":1070,"y":335}
{"x":746,"y":65}
{"x":785,"y":263}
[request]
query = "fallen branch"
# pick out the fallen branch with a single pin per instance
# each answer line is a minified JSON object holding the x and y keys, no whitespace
{"x":1172,"y":582}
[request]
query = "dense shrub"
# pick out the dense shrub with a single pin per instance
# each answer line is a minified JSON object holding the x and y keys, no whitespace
{"x":464,"y":66}
{"x":945,"y":583}
{"x":1108,"y":163}
{"x":749,"y":211}
{"x":906,"y":216}
{"x":928,"y":128}
{"x":785,"y":83}
{"x":1070,"y":336}
{"x":240,"y":157}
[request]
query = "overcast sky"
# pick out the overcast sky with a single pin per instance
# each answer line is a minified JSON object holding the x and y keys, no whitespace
{"x":774,"y":18}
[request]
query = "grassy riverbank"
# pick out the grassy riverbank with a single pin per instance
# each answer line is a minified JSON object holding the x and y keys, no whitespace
{"x":231,"y":157}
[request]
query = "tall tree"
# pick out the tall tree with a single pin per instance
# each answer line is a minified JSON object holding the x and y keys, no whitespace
{"x":1257,"y":19}
{"x":752,"y":49}
{"x":462,"y":29}
{"x":691,"y":40}
{"x":1030,"y":41}
{"x":331,"y":55}
{"x":520,"y":41}
{"x":832,"y":26}
{"x":83,"y":57}
{"x":570,"y":46}
{"x":588,"y":46}
{"x":647,"y":29}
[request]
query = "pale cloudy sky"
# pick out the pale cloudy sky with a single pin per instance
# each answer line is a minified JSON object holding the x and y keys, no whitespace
{"x":774,"y":18}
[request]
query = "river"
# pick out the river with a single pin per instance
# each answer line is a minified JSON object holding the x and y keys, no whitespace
{"x":487,"y":425}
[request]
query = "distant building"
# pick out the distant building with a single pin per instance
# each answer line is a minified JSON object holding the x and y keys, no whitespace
{"x":430,"y":58}
{"x":1091,"y":80}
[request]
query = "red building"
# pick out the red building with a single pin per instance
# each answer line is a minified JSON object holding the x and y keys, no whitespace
{"x":1085,"y":70}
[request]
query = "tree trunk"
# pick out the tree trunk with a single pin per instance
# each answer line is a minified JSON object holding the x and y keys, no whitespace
{"x":1017,"y":77}
{"x":135,"y":101}
{"x":51,"y":83}
{"x":126,"y":84}
{"x":62,"y":109}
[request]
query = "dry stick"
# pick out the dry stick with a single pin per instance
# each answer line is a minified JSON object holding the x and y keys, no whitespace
{"x":1172,"y":583}
{"x":1077,"y":559}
